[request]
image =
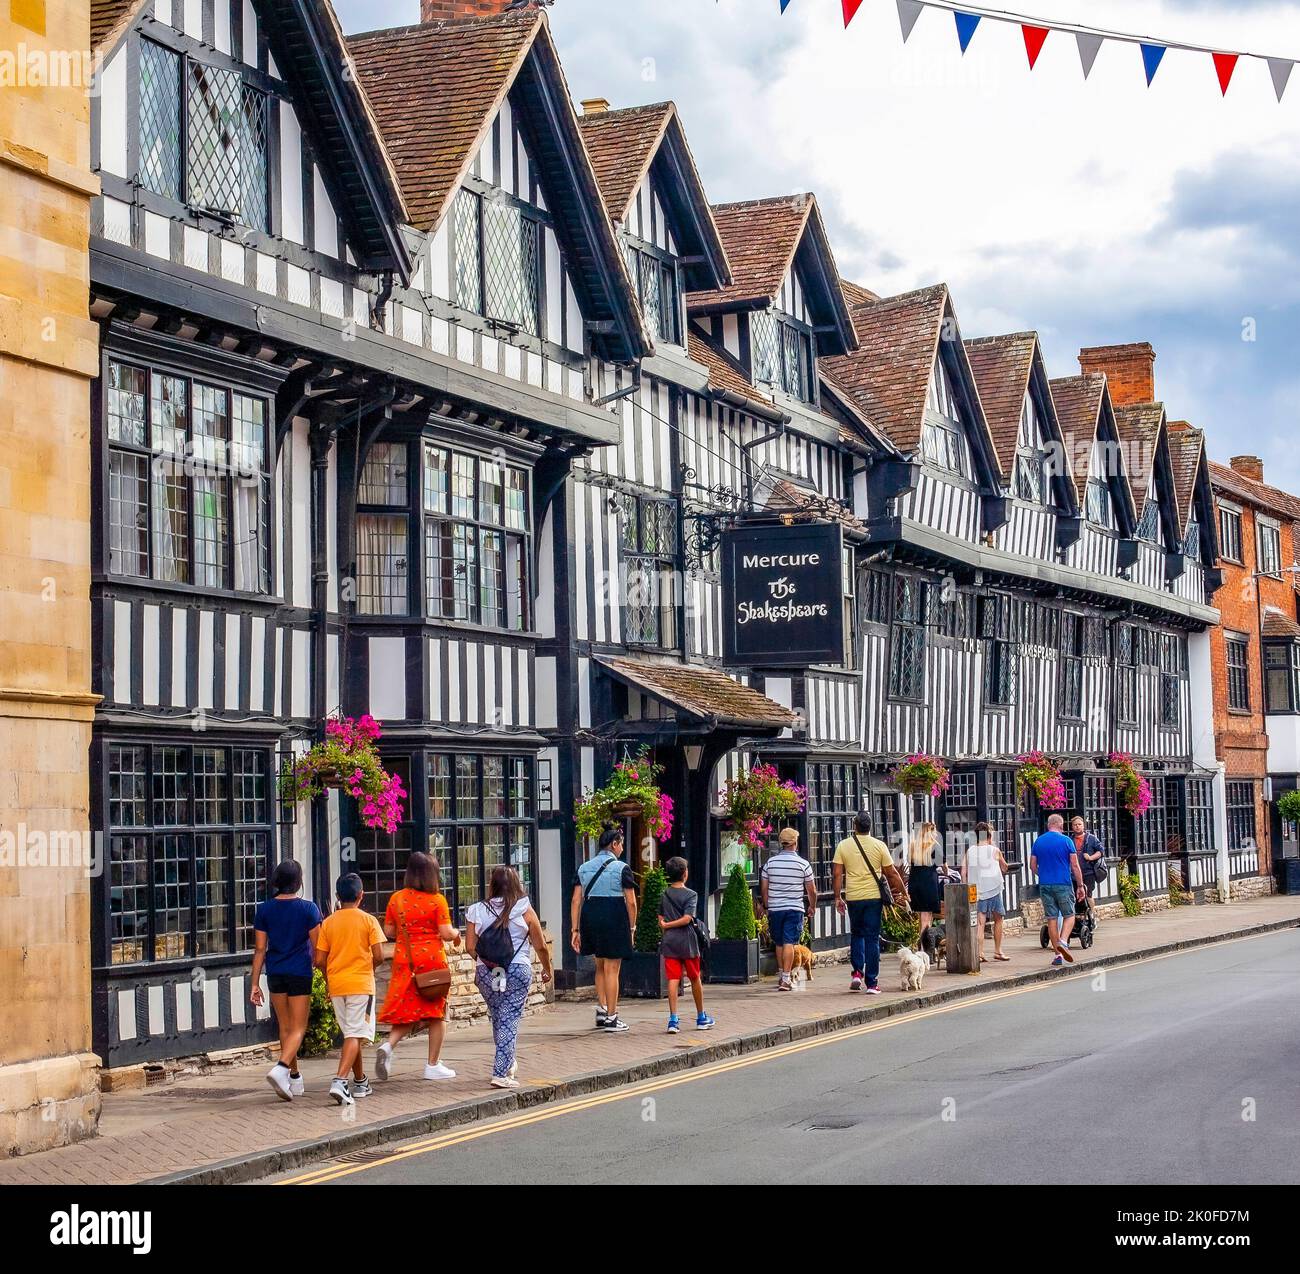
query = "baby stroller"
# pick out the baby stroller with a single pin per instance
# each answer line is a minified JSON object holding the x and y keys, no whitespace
{"x":1085,"y":927}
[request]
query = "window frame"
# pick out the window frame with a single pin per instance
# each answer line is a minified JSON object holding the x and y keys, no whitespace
{"x":156,"y":366}
{"x":1282,"y":657}
{"x":784,"y":329}
{"x":999,"y":631}
{"x":909,"y":635}
{"x":835,"y":793}
{"x":485,"y":197}
{"x":1241,"y":814}
{"x":1070,"y":681}
{"x":639,"y":252}
{"x":1240,"y":698}
{"x":1231,"y":544}
{"x":659,"y":564}
{"x":1268,"y":546}
{"x":237,"y":902}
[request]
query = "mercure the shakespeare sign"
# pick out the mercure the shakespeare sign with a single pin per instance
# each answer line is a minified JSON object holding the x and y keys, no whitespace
{"x":782,"y":595}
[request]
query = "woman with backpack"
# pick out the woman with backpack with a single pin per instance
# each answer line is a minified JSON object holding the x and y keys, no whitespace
{"x":418,"y":921}
{"x":501,"y":933}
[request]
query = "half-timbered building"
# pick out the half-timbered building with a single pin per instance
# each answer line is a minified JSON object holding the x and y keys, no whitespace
{"x":347,"y":340}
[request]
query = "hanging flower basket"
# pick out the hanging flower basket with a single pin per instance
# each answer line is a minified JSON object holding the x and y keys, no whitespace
{"x":632,"y":791}
{"x":1134,"y":790}
{"x":921,"y":775}
{"x":1042,"y":776}
{"x":756,"y":801}
{"x":348,"y":761}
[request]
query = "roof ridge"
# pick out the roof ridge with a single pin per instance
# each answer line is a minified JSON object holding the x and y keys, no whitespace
{"x":771,"y":201}
{"x":480,"y":20}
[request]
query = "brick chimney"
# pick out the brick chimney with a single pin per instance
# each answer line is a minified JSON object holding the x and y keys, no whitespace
{"x":441,"y":10}
{"x":1251,"y":467}
{"x":1130,"y":369}
{"x":595,"y":105}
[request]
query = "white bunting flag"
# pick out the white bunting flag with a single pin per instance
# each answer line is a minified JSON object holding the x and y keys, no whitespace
{"x":1089,"y":47}
{"x":908,"y":12}
{"x":1280,"y":69}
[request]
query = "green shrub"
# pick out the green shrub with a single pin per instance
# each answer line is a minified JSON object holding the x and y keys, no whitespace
{"x":648,"y":934}
{"x":1130,"y":887}
{"x":322,"y":1026}
{"x":736,"y":915}
{"x":899,"y":928}
{"x":1288,"y":806}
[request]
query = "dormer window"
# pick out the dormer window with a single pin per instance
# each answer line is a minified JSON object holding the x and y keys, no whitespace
{"x":1098,"y":505}
{"x":1192,"y":544}
{"x":1031,"y":460}
{"x":943,"y":442}
{"x":223,"y":166}
{"x":781,"y":352}
{"x":1149,"y":527}
{"x":497,"y":260}
{"x":655,"y":276}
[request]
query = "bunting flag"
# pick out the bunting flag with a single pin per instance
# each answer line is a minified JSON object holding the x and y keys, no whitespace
{"x":1089,"y":47}
{"x":1152,"y":56}
{"x":1088,"y":40}
{"x":1035,"y":38}
{"x":908,"y":12}
{"x":966,"y":25}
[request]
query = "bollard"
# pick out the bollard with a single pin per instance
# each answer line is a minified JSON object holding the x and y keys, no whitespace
{"x":962,"y":918}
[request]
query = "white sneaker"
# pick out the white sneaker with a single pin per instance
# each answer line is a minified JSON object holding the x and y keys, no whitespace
{"x":296,"y":1085}
{"x":340,"y":1094}
{"x":439,"y":1071}
{"x":278,"y":1078}
{"x":504,"y":1081}
{"x":384,"y":1061}
{"x":513,"y":1072}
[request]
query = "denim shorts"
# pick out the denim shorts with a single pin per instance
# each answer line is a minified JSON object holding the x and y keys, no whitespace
{"x":786,"y":927}
{"x":1058,"y":901}
{"x":992,"y":906}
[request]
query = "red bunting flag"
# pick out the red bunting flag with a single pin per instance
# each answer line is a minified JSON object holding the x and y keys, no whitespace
{"x":851,"y":8}
{"x":1225,"y":64}
{"x":1035,"y":38}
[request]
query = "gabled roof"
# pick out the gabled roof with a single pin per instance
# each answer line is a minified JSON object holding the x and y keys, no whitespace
{"x":764,"y":238}
{"x":856,"y":294}
{"x":699,"y":692}
{"x":1082,"y":404}
{"x":1001,"y":365}
{"x":1141,"y":433}
{"x":1278,"y":624}
{"x":309,"y":48}
{"x":1186,"y":451}
{"x":436,"y":88}
{"x":624,"y":146}
{"x":1229,"y":482}
{"x":887,"y":379}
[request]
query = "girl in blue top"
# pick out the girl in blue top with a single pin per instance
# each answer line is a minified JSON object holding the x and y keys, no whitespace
{"x":284,"y":929}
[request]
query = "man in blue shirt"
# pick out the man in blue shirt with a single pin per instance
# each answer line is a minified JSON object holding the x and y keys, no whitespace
{"x":1060,"y":884}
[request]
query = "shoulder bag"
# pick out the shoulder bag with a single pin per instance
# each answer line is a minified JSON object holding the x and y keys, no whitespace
{"x":431,"y":984}
{"x":886,"y":894}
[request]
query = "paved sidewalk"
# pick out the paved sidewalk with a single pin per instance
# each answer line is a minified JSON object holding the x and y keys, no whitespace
{"x":230,"y":1127}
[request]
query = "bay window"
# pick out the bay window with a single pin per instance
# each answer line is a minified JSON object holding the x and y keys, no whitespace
{"x":187,"y":487}
{"x":1282,"y":676}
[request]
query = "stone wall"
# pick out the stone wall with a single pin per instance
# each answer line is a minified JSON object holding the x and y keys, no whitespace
{"x":49,"y":1094}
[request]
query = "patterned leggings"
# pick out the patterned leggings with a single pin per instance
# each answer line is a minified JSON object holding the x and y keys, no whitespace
{"x":506,"y":1009}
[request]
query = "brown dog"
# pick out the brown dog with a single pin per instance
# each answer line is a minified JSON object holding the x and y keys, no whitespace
{"x":803,"y":959}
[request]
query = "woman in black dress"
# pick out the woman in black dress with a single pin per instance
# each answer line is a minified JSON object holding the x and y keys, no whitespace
{"x":923,"y":874}
{"x":602,"y":917}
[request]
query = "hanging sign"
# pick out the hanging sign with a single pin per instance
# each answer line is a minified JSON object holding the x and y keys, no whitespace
{"x":782,"y":595}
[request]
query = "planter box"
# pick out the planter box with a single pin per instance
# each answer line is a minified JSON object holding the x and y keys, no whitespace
{"x":641,"y":977}
{"x":733,"y":961}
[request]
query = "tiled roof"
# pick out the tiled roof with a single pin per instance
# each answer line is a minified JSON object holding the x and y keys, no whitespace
{"x":1229,"y":482}
{"x":856,"y":294}
{"x":761,"y":238}
{"x":789,"y":497}
{"x":1279,"y":624}
{"x":701,"y":692}
{"x":888,"y":377}
{"x":1078,"y":409}
{"x":435,"y":89}
{"x":108,"y":17}
{"x":1001,"y":365}
{"x":621,"y":145}
{"x":1186,"y":447}
{"x":1139,"y":434}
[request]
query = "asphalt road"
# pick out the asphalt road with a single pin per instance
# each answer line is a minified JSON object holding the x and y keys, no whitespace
{"x":1179,"y":1070}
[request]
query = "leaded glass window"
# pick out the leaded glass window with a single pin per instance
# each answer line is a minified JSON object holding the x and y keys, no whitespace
{"x":648,"y":535}
{"x":160,"y":120}
{"x":908,"y":639}
{"x":226,"y":151}
{"x":1071,"y":670}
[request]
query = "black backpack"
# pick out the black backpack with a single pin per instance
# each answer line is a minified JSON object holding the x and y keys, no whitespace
{"x":495,"y":947}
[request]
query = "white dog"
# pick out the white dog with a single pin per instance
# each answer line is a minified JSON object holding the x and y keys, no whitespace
{"x":912,"y":968}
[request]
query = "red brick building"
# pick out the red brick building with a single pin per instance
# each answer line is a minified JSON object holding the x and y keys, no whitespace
{"x":1256,"y":660}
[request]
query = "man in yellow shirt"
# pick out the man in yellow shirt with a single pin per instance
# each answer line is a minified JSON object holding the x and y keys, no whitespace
{"x":863,"y":862}
{"x":350,"y":947}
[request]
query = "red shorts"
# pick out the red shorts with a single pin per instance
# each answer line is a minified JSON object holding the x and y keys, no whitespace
{"x":673,"y":969}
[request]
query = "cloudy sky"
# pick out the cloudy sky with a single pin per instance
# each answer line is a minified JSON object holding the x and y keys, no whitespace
{"x":1094,"y":212}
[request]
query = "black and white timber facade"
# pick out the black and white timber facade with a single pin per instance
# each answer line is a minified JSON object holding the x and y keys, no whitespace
{"x":437,"y":414}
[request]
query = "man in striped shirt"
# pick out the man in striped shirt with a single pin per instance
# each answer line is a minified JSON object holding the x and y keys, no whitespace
{"x":787,"y":884}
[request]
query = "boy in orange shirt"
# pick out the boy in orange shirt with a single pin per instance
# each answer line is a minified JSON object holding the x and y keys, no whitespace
{"x":349,"y":948}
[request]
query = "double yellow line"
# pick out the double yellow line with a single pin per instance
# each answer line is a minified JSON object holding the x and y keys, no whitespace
{"x":333,"y":1172}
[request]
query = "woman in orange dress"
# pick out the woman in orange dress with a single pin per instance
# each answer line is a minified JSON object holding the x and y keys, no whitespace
{"x":418,"y":920}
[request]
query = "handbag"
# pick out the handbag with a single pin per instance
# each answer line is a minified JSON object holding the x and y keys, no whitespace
{"x":431,"y":984}
{"x":886,"y":893}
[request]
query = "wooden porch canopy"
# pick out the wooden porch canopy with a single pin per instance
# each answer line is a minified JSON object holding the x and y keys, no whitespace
{"x":704,"y":694}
